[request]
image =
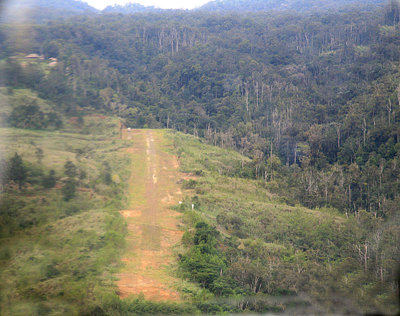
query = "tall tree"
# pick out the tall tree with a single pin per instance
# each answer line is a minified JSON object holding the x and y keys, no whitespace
{"x":17,"y":171}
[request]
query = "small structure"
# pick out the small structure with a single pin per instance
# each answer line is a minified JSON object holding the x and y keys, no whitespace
{"x":192,"y":207}
{"x":129,"y":129}
{"x":34,"y":56}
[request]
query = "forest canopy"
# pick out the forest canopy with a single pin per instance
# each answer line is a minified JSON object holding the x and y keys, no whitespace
{"x":320,"y":91}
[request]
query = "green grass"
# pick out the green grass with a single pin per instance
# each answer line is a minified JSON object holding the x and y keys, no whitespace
{"x":61,"y":146}
{"x":59,"y":257}
{"x":219,"y":191}
{"x":13,"y":97}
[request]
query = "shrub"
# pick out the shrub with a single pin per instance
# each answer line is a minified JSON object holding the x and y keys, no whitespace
{"x":69,"y":189}
{"x":49,"y":181}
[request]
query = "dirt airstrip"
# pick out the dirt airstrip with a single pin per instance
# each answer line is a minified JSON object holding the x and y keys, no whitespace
{"x":152,"y":225}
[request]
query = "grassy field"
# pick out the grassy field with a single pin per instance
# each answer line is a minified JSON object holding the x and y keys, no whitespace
{"x":56,"y":256}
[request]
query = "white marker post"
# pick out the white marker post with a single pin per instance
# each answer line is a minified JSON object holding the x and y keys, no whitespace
{"x":192,"y":207}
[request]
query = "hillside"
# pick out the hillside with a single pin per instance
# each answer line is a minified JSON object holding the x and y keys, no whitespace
{"x":318,"y":92}
{"x":239,"y":240}
{"x":271,"y":255}
{"x":130,"y":8}
{"x":286,"y":130}
{"x":61,"y":235}
{"x":67,"y":5}
{"x":41,"y":11}
{"x":294,"y":5}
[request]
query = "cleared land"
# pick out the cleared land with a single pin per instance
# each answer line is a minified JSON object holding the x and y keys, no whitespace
{"x":152,"y":225}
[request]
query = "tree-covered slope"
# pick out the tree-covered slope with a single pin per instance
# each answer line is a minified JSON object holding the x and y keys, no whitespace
{"x":68,"y":5}
{"x":130,"y":8}
{"x":244,"y":242}
{"x":41,"y":11}
{"x":295,"y":5}
{"x":319,"y":92}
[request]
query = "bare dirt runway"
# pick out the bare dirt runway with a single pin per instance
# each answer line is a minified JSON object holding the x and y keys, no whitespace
{"x":152,"y":225}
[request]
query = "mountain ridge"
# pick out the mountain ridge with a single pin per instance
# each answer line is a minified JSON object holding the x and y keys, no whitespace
{"x":295,"y":5}
{"x":41,"y":11}
{"x":130,"y":8}
{"x":74,"y":5}
{"x":249,"y":6}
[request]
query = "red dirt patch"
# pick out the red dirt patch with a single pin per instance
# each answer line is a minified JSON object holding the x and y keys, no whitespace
{"x":151,"y":289}
{"x":73,"y":120}
{"x":188,"y":176}
{"x":130,"y":213}
{"x":175,"y":162}
{"x":98,"y":116}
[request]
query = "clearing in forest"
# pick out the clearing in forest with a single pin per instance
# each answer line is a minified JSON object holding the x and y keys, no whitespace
{"x":152,"y":225}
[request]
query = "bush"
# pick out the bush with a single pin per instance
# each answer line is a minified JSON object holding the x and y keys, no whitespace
{"x":27,"y":116}
{"x":189,"y":184}
{"x":69,"y":189}
{"x":49,"y":181}
{"x":16,"y":170}
{"x":203,"y":263}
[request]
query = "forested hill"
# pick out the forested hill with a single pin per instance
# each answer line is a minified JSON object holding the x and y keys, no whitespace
{"x":41,"y":11}
{"x":320,"y":92}
{"x":295,"y":5}
{"x":68,"y":5}
{"x":241,"y":6}
{"x":131,"y":8}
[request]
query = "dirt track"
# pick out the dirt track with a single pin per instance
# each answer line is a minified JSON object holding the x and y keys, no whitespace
{"x":152,"y":226}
